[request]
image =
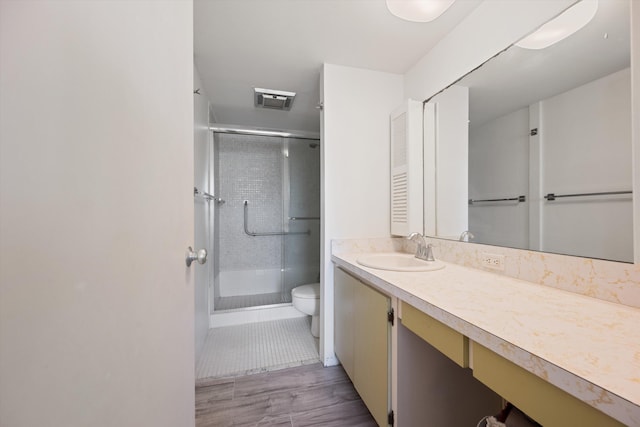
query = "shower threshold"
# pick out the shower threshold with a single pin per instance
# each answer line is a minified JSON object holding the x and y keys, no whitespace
{"x":244,"y":315}
{"x":249,"y":301}
{"x":255,"y":307}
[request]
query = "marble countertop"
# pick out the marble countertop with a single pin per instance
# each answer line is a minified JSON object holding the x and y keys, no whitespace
{"x":585,"y":346}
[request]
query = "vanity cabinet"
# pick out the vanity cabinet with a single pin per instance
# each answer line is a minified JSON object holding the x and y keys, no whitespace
{"x":539,"y":399}
{"x":362,"y":337}
{"x":433,"y":389}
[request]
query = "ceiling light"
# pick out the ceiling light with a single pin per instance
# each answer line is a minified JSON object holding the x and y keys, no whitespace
{"x":418,"y":10}
{"x":561,"y":27}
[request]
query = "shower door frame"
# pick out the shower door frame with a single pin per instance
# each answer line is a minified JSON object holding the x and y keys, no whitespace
{"x":285,"y":180}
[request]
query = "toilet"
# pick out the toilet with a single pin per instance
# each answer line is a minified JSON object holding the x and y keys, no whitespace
{"x":306,"y":298}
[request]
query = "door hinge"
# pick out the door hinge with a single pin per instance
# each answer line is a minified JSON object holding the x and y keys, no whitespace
{"x":391,"y":418}
{"x":533,"y":132}
{"x":390,"y":316}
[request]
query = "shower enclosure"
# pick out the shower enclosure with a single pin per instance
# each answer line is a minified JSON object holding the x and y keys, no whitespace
{"x":267,"y":231}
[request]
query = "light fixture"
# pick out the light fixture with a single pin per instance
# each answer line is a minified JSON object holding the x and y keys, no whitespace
{"x":561,"y":27}
{"x":418,"y":10}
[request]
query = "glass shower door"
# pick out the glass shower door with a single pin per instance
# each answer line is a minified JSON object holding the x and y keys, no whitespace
{"x":301,"y":258}
{"x":272,"y":190}
{"x":249,"y":178}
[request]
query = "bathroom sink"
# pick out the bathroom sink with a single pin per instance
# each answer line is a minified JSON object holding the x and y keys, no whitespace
{"x":398,"y":262}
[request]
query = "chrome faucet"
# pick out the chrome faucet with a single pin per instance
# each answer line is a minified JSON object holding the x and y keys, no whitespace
{"x":466,"y":236}
{"x":424,"y":250}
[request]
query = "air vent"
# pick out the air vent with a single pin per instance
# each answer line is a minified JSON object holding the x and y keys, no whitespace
{"x":274,"y":99}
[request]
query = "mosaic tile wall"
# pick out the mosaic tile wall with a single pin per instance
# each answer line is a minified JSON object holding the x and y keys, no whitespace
{"x":249,"y":168}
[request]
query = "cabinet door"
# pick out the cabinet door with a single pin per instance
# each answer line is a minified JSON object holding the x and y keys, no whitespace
{"x":406,"y":169}
{"x":371,"y":355}
{"x":344,"y":315}
{"x":362,"y":337}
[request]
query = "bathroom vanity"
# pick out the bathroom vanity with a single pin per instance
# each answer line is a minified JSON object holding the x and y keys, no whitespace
{"x":464,"y":338}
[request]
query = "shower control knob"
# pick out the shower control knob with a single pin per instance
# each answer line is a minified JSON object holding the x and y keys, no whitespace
{"x":191,"y":255}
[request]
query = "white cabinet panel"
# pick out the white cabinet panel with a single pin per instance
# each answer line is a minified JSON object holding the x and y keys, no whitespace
{"x":406,"y":169}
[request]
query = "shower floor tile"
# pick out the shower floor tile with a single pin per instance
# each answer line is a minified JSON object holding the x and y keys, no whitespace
{"x":241,"y":301}
{"x":257,"y":347}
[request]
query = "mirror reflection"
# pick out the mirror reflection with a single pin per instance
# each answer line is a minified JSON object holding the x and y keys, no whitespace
{"x":550,"y":143}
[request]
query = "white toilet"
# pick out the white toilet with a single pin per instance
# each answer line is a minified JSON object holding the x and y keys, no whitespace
{"x":306,"y":298}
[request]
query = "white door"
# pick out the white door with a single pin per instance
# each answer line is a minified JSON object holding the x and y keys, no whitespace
{"x":96,"y":211}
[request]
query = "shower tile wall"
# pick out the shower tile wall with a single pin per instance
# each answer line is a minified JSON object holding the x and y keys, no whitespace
{"x":249,"y":168}
{"x":304,"y":170}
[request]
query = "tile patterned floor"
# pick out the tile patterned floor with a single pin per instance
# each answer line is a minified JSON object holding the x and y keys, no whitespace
{"x":309,"y":395}
{"x":257,"y":347}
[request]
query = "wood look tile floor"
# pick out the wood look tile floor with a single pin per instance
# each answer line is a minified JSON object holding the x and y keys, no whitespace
{"x":309,"y":395}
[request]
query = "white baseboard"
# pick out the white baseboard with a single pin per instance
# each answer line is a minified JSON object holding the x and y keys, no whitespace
{"x":253,"y":315}
{"x":331,"y":361}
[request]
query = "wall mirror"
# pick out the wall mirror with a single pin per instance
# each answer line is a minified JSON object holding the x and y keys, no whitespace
{"x":550,"y":143}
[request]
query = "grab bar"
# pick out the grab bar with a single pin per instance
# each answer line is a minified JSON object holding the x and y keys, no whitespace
{"x":270,"y":233}
{"x":518,"y":199}
{"x":208,"y":197}
{"x":552,"y":196}
{"x":303,"y":218}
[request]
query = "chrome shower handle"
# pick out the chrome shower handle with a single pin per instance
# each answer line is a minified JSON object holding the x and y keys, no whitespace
{"x":191,"y":255}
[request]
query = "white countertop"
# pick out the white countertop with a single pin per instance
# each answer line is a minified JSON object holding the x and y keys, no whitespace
{"x":588,"y":347}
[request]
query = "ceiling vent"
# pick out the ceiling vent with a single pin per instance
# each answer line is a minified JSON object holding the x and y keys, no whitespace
{"x":274,"y":99}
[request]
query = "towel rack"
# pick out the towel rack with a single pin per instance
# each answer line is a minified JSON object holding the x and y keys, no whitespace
{"x":552,"y":196}
{"x":208,"y":197}
{"x":510,"y":199}
{"x":269,"y":233}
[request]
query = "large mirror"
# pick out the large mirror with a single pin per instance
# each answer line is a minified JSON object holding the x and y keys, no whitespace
{"x":550,"y":143}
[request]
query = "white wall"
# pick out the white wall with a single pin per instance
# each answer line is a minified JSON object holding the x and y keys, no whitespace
{"x":355,"y":166}
{"x":499,"y":168}
{"x":96,"y":211}
{"x":585,"y":134}
{"x":203,"y":237}
{"x":451,"y":152}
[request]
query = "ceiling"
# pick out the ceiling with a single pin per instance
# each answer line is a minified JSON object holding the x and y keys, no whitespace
{"x":282,"y":44}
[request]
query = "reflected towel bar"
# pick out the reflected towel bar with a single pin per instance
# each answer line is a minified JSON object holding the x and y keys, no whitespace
{"x":552,"y":196}
{"x":511,"y":199}
{"x":270,"y":233}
